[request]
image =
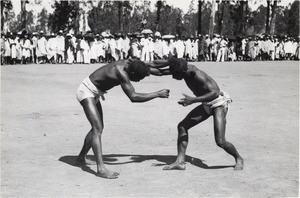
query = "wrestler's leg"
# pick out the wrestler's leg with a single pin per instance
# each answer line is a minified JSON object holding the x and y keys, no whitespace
{"x":219,"y":129}
{"x":195,"y":117}
{"x":88,"y":140}
{"x":93,"y":138}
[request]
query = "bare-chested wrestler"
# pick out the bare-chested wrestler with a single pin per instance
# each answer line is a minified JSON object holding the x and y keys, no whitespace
{"x":213,"y":102}
{"x":94,"y":86}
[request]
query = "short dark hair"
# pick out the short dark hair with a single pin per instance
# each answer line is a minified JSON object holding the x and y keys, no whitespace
{"x":177,"y":65}
{"x":138,"y":69}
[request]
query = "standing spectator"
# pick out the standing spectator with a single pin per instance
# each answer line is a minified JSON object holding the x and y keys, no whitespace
{"x":265,"y":49}
{"x":13,"y":48}
{"x":112,"y":49}
{"x":288,"y":48}
{"x":222,"y":50}
{"x":119,"y":46}
{"x":2,"y":39}
{"x":166,"y":48}
{"x":277,"y":49}
{"x":69,"y":49}
{"x":34,"y":41}
{"x":297,"y":52}
{"x":6,"y":51}
{"x":95,"y":49}
{"x":207,"y":40}
{"x":126,"y":46}
{"x":135,"y":48}
{"x":257,"y":43}
{"x":79,"y":50}
{"x":84,"y":44}
{"x":151,"y":48}
{"x":244,"y":43}
{"x":101,"y":49}
{"x":145,"y":48}
{"x":158,"y":46}
{"x":214,"y":47}
{"x":179,"y":46}
{"x":41,"y":48}
{"x":60,"y":51}
{"x":51,"y":48}
{"x":26,"y":49}
{"x":19,"y":47}
{"x":231,"y":52}
{"x":251,"y":49}
{"x":188,"y":49}
{"x":202,"y":48}
{"x":194,"y":42}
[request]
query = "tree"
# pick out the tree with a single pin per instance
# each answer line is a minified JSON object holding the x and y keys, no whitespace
{"x":158,"y":7}
{"x":259,"y":18}
{"x":191,"y":20}
{"x":64,"y":16}
{"x":280,"y":21}
{"x":6,"y":6}
{"x":273,"y":17}
{"x":292,"y":19}
{"x":42,"y":20}
{"x":206,"y":12}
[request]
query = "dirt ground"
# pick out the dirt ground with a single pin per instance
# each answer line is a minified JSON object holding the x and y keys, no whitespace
{"x":43,"y":127}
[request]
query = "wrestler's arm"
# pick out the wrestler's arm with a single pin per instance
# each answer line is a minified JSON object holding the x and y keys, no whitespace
{"x":210,"y":95}
{"x":138,"y":97}
{"x":160,"y":63}
{"x":159,"y":72}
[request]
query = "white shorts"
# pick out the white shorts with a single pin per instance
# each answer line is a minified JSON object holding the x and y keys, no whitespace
{"x":88,"y":90}
{"x":223,"y":100}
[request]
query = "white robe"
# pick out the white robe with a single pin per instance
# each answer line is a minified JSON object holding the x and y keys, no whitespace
{"x":41,"y":48}
{"x":179,"y":46}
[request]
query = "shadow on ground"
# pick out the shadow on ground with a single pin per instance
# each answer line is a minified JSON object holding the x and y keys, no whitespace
{"x":118,"y":159}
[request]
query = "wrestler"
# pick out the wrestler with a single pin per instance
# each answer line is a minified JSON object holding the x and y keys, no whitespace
{"x":213,"y":102}
{"x":94,"y":86}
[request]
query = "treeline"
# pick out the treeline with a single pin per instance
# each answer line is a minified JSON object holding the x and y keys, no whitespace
{"x":231,"y":18}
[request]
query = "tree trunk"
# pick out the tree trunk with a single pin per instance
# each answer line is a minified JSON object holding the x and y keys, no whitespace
{"x":212,"y":18}
{"x":120,"y":15}
{"x":23,"y":14}
{"x":199,"y":16}
{"x":273,"y":18}
{"x":268,"y":17}
{"x":159,"y":5}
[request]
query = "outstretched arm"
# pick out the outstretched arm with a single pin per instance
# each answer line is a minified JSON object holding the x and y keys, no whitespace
{"x":160,"y":63}
{"x":159,"y":72}
{"x":139,"y":97}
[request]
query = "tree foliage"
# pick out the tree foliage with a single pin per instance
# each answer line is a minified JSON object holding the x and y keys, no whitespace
{"x":64,"y":16}
{"x":292,"y":19}
{"x":231,"y":19}
{"x":6,"y":7}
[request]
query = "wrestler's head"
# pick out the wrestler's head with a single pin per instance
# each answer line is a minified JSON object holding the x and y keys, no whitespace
{"x":178,"y":68}
{"x":137,"y":70}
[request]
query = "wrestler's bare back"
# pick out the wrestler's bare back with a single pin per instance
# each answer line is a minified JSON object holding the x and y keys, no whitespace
{"x":106,"y":76}
{"x":199,"y":82}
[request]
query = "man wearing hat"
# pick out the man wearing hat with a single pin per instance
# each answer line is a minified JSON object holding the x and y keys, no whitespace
{"x":26,"y":45}
{"x":158,"y":46}
{"x":60,"y":47}
{"x":41,"y":51}
{"x":51,"y":48}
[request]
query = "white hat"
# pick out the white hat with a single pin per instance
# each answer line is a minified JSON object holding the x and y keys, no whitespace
{"x":157,"y":34}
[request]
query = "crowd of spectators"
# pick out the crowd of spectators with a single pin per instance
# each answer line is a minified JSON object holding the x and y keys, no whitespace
{"x":38,"y":48}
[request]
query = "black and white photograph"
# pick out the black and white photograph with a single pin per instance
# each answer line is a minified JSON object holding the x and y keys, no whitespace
{"x":150,"y":98}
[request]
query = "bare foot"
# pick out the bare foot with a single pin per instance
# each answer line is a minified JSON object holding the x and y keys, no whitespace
{"x":81,"y":161}
{"x":105,"y":173}
{"x":239,"y":164}
{"x":175,"y":166}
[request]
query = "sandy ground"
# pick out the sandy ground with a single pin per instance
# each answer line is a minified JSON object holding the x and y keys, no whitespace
{"x":43,"y":127}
